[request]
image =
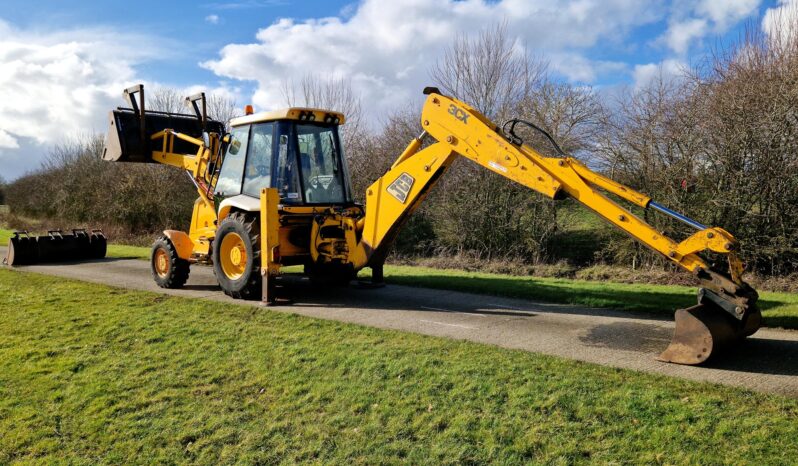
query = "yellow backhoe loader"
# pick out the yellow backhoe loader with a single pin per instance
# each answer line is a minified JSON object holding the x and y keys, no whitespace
{"x":274,"y":191}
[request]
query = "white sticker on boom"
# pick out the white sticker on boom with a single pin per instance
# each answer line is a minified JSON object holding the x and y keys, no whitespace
{"x":400,"y":188}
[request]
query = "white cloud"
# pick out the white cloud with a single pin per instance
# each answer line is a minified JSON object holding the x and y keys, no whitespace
{"x":680,"y":35}
{"x":212,"y":19}
{"x":577,"y":68}
{"x":61,"y":84}
{"x":8,"y":141}
{"x":693,"y":21}
{"x":781,"y":22}
{"x":725,"y":13}
{"x":666,"y":70}
{"x":388,"y":59}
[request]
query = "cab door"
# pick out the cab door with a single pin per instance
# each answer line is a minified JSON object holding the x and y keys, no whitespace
{"x":231,"y":174}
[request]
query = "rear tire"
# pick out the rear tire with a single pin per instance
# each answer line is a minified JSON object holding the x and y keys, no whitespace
{"x":168,"y":270}
{"x":236,"y":256}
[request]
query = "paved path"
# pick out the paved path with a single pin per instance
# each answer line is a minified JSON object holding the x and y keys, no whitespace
{"x":767,"y":362}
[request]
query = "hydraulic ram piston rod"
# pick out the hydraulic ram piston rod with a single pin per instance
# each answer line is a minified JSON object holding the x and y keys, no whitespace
{"x":676,"y":215}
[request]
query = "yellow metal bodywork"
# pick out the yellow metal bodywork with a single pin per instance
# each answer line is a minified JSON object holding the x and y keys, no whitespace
{"x":270,"y":241}
{"x":203,"y":218}
{"x":269,"y":230}
{"x":385,"y":211}
{"x":183,"y":244}
{"x":362,"y":239}
{"x":293,"y":113}
{"x":458,"y":129}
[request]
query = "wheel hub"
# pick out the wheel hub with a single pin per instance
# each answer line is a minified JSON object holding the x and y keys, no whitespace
{"x":161,"y":263}
{"x":233,"y":256}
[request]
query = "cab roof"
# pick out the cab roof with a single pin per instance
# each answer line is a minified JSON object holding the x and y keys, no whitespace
{"x":317,"y":115}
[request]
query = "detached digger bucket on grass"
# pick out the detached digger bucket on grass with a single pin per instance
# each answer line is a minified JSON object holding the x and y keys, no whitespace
{"x":56,"y":246}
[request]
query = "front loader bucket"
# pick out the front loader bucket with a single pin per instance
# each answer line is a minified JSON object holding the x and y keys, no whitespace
{"x":56,"y":246}
{"x":704,"y":330}
{"x":22,"y":249}
{"x":98,"y":244}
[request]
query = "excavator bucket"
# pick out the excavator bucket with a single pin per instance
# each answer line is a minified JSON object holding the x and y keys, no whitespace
{"x":130,"y":129}
{"x":705,"y":330}
{"x":22,"y":249}
{"x":56,"y":246}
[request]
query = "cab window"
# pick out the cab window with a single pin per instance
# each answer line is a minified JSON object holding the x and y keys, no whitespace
{"x":258,"y":168}
{"x":322,"y":175}
{"x":287,"y":182}
{"x":229,"y":183}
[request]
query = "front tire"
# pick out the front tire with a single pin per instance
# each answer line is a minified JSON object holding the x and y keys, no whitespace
{"x":236,"y":256}
{"x":168,"y":270}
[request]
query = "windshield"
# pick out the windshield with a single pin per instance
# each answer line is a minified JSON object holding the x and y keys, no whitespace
{"x":320,"y":165}
{"x":229,"y":183}
{"x":258,"y":169}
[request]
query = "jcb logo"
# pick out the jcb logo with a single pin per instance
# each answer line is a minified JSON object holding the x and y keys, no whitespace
{"x":458,"y":113}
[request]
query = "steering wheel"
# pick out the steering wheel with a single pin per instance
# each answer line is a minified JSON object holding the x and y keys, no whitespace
{"x":314,"y":182}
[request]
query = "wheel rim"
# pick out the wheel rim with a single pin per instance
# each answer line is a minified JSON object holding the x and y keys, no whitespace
{"x":233,"y":256}
{"x":161,"y":262}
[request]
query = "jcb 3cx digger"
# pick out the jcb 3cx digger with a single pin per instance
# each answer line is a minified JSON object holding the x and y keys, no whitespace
{"x":274,"y":191}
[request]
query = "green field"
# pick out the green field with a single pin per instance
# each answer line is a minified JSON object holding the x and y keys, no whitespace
{"x":779,"y":309}
{"x":97,"y":375}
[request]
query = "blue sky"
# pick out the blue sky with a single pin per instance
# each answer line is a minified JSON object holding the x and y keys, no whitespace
{"x":65,"y":63}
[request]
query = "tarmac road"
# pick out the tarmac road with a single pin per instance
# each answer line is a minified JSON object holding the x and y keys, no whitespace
{"x":766,"y":362}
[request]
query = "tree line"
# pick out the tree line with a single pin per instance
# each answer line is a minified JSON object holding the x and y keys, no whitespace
{"x":717,"y":142}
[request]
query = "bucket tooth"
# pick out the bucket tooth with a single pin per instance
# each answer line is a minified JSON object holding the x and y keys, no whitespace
{"x":705,"y":330}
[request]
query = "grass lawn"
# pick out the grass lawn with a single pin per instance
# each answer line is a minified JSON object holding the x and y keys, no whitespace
{"x":779,"y":309}
{"x":91,"y":374}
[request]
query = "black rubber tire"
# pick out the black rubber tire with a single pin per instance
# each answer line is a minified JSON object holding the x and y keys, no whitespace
{"x":177,"y":268}
{"x":247,"y":226}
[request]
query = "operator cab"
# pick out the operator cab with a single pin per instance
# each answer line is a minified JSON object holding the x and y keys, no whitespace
{"x":296,"y":150}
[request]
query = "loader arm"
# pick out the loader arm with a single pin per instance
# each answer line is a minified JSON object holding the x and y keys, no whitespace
{"x":458,"y":129}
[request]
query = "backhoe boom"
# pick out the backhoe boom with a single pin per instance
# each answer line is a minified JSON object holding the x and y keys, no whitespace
{"x":458,"y":129}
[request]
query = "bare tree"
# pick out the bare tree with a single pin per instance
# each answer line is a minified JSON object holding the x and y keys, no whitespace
{"x":571,"y":115}
{"x":478,"y":211}
{"x":719,"y":144}
{"x":492,"y":71}
{"x":221,"y":108}
{"x":334,"y":94}
{"x":167,"y":99}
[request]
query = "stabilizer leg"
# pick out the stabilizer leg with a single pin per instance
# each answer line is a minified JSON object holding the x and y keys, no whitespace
{"x":377,"y":278}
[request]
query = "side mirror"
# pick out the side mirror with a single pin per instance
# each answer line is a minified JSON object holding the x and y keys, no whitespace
{"x":235,"y":145}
